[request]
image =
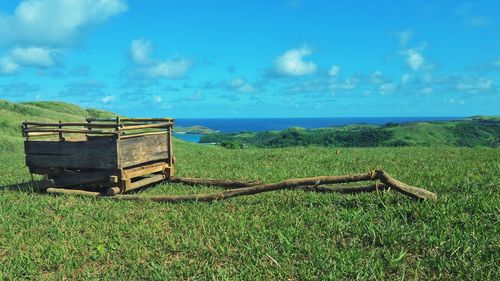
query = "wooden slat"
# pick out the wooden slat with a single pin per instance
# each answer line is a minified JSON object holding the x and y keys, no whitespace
{"x":147,"y":126}
{"x":144,"y":170}
{"x":146,"y":181}
{"x":144,"y":149}
{"x":69,"y":124}
{"x":69,"y":131}
{"x":82,"y":178}
{"x":98,"y":154}
{"x":143,"y":134}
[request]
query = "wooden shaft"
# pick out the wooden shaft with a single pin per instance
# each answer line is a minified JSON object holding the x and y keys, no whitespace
{"x":250,"y":190}
{"x":30,"y":130}
{"x":345,"y":189}
{"x":70,"y":124}
{"x":412,"y":191}
{"x":157,"y":125}
{"x":72,"y":192}
{"x":214,"y":182}
{"x":40,"y":134}
{"x":133,"y":119}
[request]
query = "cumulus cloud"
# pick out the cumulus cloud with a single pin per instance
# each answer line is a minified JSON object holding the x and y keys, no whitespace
{"x":8,"y":66}
{"x":141,"y":50}
{"x":170,"y":69}
{"x":414,"y":58}
{"x":426,"y":91}
{"x":387,"y":88}
{"x":38,"y":31}
{"x":19,"y":89}
{"x":107,"y":99}
{"x":54,"y":22}
{"x":475,"y":86}
{"x":35,"y":56}
{"x":334,"y":70}
{"x":292,"y":63}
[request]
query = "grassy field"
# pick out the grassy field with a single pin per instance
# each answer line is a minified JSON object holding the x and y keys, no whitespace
{"x":287,"y":234}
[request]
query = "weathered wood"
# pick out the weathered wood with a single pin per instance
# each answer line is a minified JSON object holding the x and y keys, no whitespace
{"x":145,"y":149}
{"x":214,"y":182}
{"x":65,"y":191}
{"x":133,"y":119}
{"x":226,"y":194}
{"x":69,"y":131}
{"x":82,"y":178}
{"x":344,"y":189}
{"x":40,"y":134}
{"x":69,"y":124}
{"x":412,"y":191}
{"x":144,"y":170}
{"x":147,"y":126}
{"x":136,"y":135}
{"x":146,"y":181}
{"x":112,"y":191}
{"x":98,"y":154}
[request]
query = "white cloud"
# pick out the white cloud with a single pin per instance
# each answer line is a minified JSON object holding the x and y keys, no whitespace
{"x":334,"y":70}
{"x":414,"y":58}
{"x":34,"y":56}
{"x":107,"y":99}
{"x":140,"y":50}
{"x":8,"y":66}
{"x":157,"y":98}
{"x":426,"y":91}
{"x":404,"y":37}
{"x":292,"y":62}
{"x":171,"y":69}
{"x":454,"y":101}
{"x":54,"y":22}
{"x":387,"y":88}
{"x":241,"y":85}
{"x":477,"y":86}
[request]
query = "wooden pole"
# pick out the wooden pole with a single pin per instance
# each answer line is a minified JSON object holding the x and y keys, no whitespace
{"x":72,"y":192}
{"x":214,"y":182}
{"x":412,"y":191}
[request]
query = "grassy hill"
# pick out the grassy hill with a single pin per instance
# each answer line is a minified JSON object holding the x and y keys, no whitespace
{"x":12,"y":114}
{"x":289,"y":234}
{"x":477,"y":131}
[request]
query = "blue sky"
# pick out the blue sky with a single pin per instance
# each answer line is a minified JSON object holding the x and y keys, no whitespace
{"x":287,"y":58}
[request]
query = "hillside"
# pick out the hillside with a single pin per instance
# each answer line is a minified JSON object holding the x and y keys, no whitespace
{"x":473,"y":132}
{"x":12,"y":114}
{"x":289,"y":234}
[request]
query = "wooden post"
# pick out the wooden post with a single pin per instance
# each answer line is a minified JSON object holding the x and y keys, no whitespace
{"x":170,"y":169}
{"x":61,"y":137}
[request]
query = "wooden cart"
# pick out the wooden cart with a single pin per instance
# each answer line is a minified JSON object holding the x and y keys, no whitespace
{"x":115,"y":155}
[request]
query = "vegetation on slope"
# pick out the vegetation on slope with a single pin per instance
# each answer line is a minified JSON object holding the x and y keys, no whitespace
{"x":469,"y":133}
{"x":194,"y":130}
{"x":12,"y":114}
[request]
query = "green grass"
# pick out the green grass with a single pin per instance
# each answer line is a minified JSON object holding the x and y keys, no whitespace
{"x":474,"y":132}
{"x":287,"y":234}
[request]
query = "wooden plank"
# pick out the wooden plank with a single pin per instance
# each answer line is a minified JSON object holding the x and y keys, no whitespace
{"x":143,"y":134}
{"x":69,"y":124}
{"x":144,"y":149}
{"x":99,"y":154}
{"x":144,"y":170}
{"x":146,"y":181}
{"x":82,"y":178}
{"x":68,"y":147}
{"x":155,"y":125}
{"x":69,"y":131}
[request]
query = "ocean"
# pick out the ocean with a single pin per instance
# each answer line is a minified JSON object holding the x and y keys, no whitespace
{"x":234,"y":125}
